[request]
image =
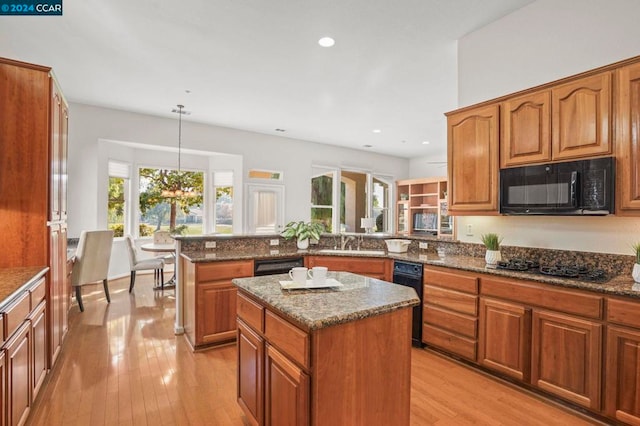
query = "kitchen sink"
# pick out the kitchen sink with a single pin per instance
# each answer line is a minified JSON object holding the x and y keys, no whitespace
{"x":354,"y":252}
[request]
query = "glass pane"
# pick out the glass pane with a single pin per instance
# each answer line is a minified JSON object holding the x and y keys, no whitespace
{"x":224,"y":210}
{"x":116,"y":206}
{"x":322,"y":215}
{"x":179,"y":214}
{"x":353,"y":202}
{"x":264,"y":215}
{"x":381,"y":205}
{"x":322,"y":190}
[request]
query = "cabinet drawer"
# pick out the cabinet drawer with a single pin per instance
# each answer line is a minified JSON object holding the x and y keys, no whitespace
{"x":219,"y":271}
{"x":288,"y":338}
{"x":623,"y":312}
{"x":16,"y":314}
{"x":454,"y":281}
{"x":451,"y":321}
{"x":572,"y":302}
{"x":37,"y":293}
{"x":454,"y":300}
{"x":450,"y":342}
{"x":250,"y":312}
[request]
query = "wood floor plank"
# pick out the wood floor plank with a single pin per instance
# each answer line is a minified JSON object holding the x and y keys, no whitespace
{"x":121,"y":364}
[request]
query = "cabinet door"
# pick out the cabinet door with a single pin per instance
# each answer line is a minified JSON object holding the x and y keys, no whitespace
{"x":216,"y":313}
{"x":505,"y":338}
{"x":286,"y":391}
{"x":473,"y":161}
{"x":250,"y":374}
{"x":581,"y":115}
{"x":622,"y":385}
{"x":18,"y":352}
{"x":628,"y":140}
{"x":39,"y":345}
{"x":57,"y":277}
{"x":566,"y":357}
{"x":526,"y":129}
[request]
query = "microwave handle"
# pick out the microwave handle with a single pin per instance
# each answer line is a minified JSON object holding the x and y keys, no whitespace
{"x":574,"y":187}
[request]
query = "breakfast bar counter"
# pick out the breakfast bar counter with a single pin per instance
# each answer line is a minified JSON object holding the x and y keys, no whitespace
{"x":339,"y":355}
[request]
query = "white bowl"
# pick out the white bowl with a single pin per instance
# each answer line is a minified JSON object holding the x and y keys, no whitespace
{"x":397,"y":246}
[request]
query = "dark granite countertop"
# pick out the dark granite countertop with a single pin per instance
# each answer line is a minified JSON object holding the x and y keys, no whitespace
{"x":14,"y":280}
{"x":359,"y":298}
{"x":621,"y":285}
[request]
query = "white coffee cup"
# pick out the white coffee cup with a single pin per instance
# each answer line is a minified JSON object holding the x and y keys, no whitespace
{"x":298,"y":275}
{"x":318,"y":274}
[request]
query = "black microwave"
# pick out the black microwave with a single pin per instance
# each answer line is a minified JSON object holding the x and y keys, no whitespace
{"x":583,"y":187}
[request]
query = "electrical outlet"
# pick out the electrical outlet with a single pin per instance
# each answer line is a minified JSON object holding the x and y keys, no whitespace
{"x":469,"y":230}
{"x":274,"y":252}
{"x":209,"y":244}
{"x":424,"y":245}
{"x":210,"y":256}
{"x":274,"y":242}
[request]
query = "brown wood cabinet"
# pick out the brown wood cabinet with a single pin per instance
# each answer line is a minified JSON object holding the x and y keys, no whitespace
{"x":39,"y":365}
{"x":210,"y":300}
{"x":628,"y":140}
{"x":450,"y":311}
{"x":505,"y":338}
{"x":566,"y":357}
{"x":581,"y":117}
{"x":473,"y":157}
{"x":423,"y":209}
{"x":374,"y":267}
{"x":352,"y":373}
{"x":18,"y":352}
{"x":525,"y":127}
{"x":33,"y":142}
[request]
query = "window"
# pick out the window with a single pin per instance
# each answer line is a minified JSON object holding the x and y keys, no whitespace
{"x":118,"y":194}
{"x":180,"y":214}
{"x":356,"y":195}
{"x":322,"y":199}
{"x":223,"y":186}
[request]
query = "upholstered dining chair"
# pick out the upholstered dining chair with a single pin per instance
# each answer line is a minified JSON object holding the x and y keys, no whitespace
{"x":156,"y":264}
{"x":92,"y":262}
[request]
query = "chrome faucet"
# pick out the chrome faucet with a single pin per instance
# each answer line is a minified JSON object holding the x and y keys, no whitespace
{"x":344,"y":240}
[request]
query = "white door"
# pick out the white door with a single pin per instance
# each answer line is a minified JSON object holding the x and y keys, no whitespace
{"x":265,"y":212}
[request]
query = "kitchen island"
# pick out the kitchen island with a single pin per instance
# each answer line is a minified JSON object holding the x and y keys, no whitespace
{"x":338,"y":356}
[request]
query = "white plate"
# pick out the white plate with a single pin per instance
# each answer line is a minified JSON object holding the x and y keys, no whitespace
{"x":290,"y":285}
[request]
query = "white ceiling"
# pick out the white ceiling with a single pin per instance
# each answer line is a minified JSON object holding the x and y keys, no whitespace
{"x":256,"y":65}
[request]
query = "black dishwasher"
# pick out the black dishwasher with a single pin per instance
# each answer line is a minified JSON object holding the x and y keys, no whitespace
{"x":410,"y":274}
{"x":275,"y":266}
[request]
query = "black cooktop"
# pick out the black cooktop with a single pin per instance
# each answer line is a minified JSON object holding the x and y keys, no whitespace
{"x":574,"y":271}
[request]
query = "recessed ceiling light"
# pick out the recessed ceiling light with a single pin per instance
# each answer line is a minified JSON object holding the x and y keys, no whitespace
{"x":367,"y":146}
{"x":187,"y":91}
{"x":280,"y":130}
{"x":425,"y":142}
{"x":326,"y":42}
{"x":377,"y":131}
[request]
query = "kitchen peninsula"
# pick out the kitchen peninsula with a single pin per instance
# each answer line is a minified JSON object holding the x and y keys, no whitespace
{"x":334,"y":356}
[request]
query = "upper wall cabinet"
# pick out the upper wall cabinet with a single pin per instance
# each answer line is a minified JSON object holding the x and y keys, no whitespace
{"x":581,"y":116}
{"x":473,"y":161}
{"x":526,"y":129}
{"x":628,"y":139}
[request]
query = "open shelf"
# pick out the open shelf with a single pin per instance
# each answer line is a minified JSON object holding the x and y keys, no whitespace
{"x":421,"y":208}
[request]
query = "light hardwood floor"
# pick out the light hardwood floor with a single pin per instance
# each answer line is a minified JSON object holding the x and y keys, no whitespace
{"x":122,"y":365}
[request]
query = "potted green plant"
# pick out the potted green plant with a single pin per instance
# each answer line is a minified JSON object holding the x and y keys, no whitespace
{"x":492,"y":242}
{"x":302,"y":231}
{"x":635,"y":273}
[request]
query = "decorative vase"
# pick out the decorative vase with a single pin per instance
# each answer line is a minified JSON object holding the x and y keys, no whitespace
{"x":492,"y":257}
{"x":636,"y":272}
{"x":303,"y":244}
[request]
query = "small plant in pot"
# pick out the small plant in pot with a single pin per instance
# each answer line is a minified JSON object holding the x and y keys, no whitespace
{"x":492,"y":243}
{"x":635,"y":273}
{"x":303,"y":231}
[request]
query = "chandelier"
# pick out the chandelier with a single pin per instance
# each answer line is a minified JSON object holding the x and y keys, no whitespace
{"x":178,"y":191}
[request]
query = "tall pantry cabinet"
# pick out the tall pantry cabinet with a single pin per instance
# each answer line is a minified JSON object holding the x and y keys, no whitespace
{"x":33,"y":182}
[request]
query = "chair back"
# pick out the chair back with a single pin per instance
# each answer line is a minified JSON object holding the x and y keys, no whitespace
{"x":162,"y":237}
{"x":92,"y":257}
{"x":131,"y":251}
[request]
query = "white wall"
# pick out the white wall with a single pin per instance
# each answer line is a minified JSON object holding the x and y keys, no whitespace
{"x":87,"y":162}
{"x":545,"y":41}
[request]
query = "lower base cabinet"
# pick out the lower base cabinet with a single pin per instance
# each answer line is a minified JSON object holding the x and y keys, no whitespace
{"x":18,"y":353}
{"x":250,"y":377}
{"x":39,"y":360}
{"x":286,"y":391}
{"x":622,"y":387}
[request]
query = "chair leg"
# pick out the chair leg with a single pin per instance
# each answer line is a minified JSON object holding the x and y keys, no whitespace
{"x":133,"y":280}
{"x":79,"y":298}
{"x":162,"y":278}
{"x":106,"y":290}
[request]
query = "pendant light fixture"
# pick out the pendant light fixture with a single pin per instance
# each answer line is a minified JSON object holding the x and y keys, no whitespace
{"x":178,"y":191}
